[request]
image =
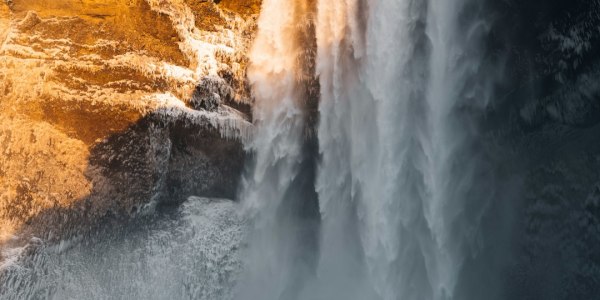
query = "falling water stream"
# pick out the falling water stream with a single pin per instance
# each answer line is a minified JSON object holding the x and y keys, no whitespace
{"x":399,"y":206}
{"x":278,"y":195}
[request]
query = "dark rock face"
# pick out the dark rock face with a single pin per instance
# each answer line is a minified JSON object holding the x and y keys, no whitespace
{"x":202,"y":163}
{"x":210,"y":93}
{"x":168,"y":161}
{"x":542,"y":135}
{"x":551,"y":53}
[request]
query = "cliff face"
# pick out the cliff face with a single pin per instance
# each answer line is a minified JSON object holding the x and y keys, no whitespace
{"x":106,"y":105}
{"x":543,"y":130}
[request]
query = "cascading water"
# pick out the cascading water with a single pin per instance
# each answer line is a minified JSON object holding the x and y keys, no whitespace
{"x":278,"y":195}
{"x":399,"y":205}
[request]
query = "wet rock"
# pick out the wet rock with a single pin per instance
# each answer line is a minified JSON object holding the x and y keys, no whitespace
{"x":210,"y":93}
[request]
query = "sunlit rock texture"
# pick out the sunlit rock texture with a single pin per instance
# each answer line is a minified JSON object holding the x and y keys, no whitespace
{"x":110,"y":105}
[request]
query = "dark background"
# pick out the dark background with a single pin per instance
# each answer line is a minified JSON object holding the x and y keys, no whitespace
{"x":542,"y":134}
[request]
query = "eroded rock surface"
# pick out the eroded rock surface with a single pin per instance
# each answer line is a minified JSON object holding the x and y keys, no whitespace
{"x":98,"y":114}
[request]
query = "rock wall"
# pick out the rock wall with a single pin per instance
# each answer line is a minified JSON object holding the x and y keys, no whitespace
{"x":106,"y":105}
{"x":541,"y":133}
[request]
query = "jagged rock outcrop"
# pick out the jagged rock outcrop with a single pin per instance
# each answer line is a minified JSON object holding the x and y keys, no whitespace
{"x":98,"y":109}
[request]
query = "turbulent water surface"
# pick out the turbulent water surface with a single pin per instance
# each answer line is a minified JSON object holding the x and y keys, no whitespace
{"x":191,"y":252}
{"x":403,"y":149}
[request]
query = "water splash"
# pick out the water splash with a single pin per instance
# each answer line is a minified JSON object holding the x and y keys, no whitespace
{"x":191,"y":252}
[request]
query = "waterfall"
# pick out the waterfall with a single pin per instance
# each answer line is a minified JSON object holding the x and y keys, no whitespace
{"x":278,"y":193}
{"x":396,"y":185}
{"x":399,"y":206}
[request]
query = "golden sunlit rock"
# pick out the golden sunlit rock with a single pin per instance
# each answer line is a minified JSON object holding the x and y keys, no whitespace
{"x":95,"y":96}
